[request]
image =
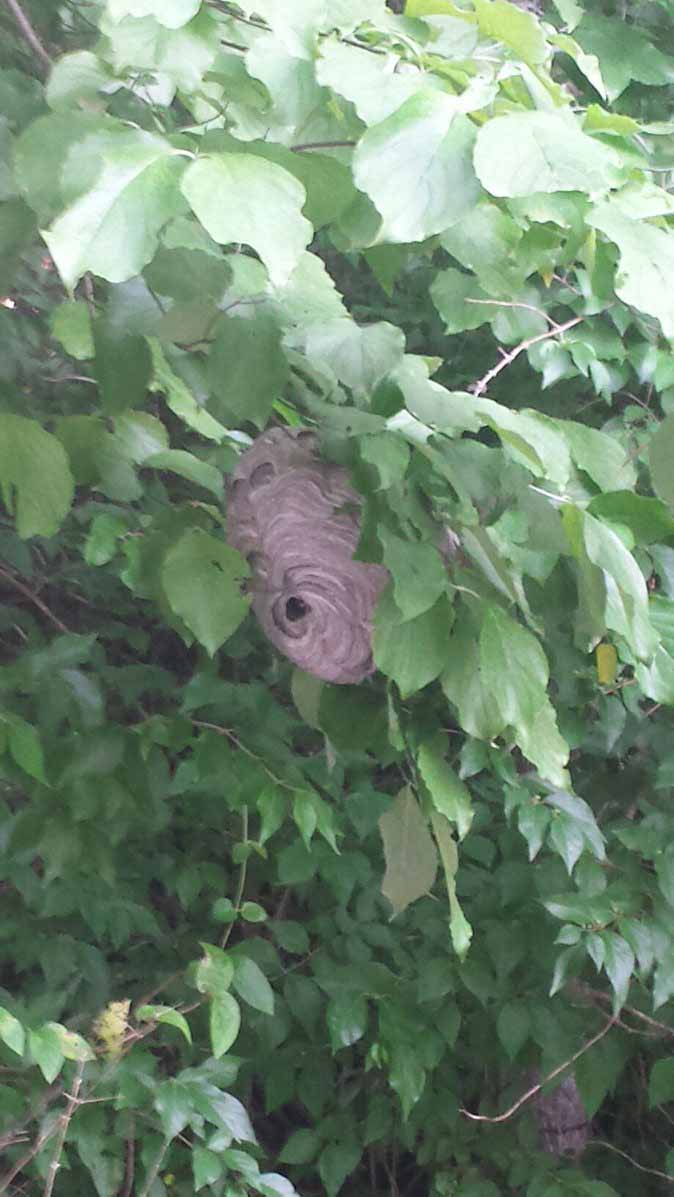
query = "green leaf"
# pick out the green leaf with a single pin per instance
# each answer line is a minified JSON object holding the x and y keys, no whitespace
{"x":224,"y":1023}
{"x":646,"y":262}
{"x":358,"y":356}
{"x":12,"y":1032}
{"x":172,"y":13}
{"x":336,"y":1162}
{"x":180,"y":57}
{"x":415,"y":652}
{"x":518,"y":30}
{"x":599,"y":455}
{"x":179,"y":398}
{"x":25,"y":747}
{"x":247,"y":368}
{"x":166,"y":1015}
{"x":177,"y":461}
{"x":450,"y":796}
{"x":424,"y":139}
{"x":103,"y":539}
{"x":301,"y":1148}
{"x":661,"y":1082}
{"x":78,"y":79}
{"x":452,"y":293}
{"x":70,"y":323}
{"x":35,"y":480}
{"x":626,"y":608}
{"x":417,"y":572}
{"x":113,"y":228}
{"x":239,"y":197}
{"x":661,"y":452}
{"x":252,"y":912}
{"x":347,"y":1018}
{"x":202,"y":578}
{"x":409,"y":851}
{"x":459,"y":927}
{"x":207,"y":1167}
{"x":619,"y":965}
{"x":122,"y":369}
{"x":467,"y":687}
{"x":624,"y":51}
{"x":542,"y":151}
{"x":513,"y":1026}
{"x":45,"y":1048}
{"x":214,"y":972}
{"x":647,"y":519}
{"x":251,"y":984}
{"x":73,"y":1046}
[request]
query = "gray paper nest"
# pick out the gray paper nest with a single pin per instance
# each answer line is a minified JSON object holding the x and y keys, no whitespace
{"x":295,"y":518}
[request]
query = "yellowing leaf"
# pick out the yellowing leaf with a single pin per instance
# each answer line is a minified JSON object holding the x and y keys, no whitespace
{"x":411,"y":858}
{"x":607,"y":663}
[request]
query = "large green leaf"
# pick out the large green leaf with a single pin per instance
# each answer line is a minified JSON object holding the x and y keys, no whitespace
{"x":542,"y":151}
{"x":415,"y":652}
{"x":240,"y":197}
{"x":247,"y":369}
{"x":35,"y":479}
{"x":203,"y":579}
{"x":113,"y":228}
{"x":411,"y":858}
{"x":646,"y":263}
{"x":518,"y":30}
{"x":661,"y":456}
{"x":172,"y":13}
{"x":416,"y":166}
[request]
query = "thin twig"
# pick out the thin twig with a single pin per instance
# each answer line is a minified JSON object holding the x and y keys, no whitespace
{"x":322,"y":145}
{"x":517,"y":1105}
{"x":27,"y":32}
{"x":225,"y":731}
{"x":34,"y":599}
{"x":641,"y":1168}
{"x":242,"y":878}
{"x":35,"y":1149}
{"x":63,"y":1124}
{"x":130,"y":1163}
{"x":154,"y":1170}
{"x":481,"y":386}
{"x":511,"y":303}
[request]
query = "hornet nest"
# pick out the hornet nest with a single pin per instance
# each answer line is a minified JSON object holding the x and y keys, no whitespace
{"x":296,"y":519}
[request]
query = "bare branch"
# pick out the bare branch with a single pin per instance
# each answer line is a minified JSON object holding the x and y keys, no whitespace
{"x":63,"y":1124}
{"x":28,"y":33}
{"x":537,"y":1088}
{"x":34,"y":599}
{"x":480,"y":387}
{"x":651,"y":1171}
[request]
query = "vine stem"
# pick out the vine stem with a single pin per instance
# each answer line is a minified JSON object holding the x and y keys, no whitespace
{"x":480,"y":387}
{"x":517,"y":1105}
{"x":28,"y":33}
{"x":63,"y":1124}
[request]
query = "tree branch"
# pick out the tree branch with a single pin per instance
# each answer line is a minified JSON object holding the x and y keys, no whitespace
{"x":34,"y":599}
{"x":517,"y":1105}
{"x":63,"y":1124}
{"x":28,"y":33}
{"x":480,"y":387}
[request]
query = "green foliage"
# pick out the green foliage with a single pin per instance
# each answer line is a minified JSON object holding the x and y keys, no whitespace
{"x":263,"y":935}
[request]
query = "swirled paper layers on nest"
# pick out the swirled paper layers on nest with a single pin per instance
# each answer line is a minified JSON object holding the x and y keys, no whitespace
{"x":296,"y":520}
